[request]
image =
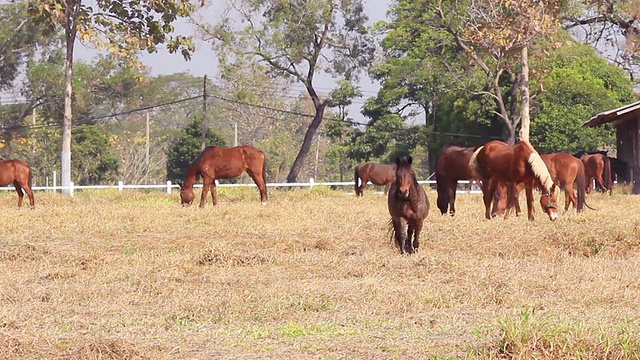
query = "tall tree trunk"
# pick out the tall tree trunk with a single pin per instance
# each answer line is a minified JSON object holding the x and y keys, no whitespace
{"x":524,"y":109}
{"x":65,"y":156}
{"x":306,"y":144}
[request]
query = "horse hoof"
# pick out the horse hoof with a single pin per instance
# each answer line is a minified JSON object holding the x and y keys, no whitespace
{"x":264,"y":203}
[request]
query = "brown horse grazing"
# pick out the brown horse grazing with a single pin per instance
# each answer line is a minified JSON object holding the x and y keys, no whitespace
{"x":378,"y":174}
{"x":498,"y":162}
{"x":18,"y":173}
{"x":565,"y":170}
{"x":216,"y":162}
{"x":408,"y":206}
{"x":453,"y":165}
{"x":598,"y":167}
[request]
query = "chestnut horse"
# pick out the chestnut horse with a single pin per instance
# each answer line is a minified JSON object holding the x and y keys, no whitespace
{"x":378,"y":174}
{"x":565,"y":170}
{"x":597,"y":167}
{"x":497,"y":162}
{"x":408,"y":206}
{"x":216,"y":162}
{"x":452,"y":165}
{"x":18,"y":173}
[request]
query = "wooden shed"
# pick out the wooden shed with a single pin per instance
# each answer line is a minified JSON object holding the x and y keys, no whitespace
{"x":626,"y":120}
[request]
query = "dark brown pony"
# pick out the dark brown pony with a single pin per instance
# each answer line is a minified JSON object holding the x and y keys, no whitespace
{"x":378,"y":174}
{"x":497,"y":162}
{"x":598,"y":167}
{"x":452,"y":165}
{"x":408,"y":206}
{"x":216,"y":162}
{"x":18,"y":173}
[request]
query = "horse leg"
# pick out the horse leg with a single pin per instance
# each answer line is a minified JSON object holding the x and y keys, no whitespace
{"x":400,"y":233}
{"x":600,"y":182}
{"x":416,"y":234}
{"x":20,"y":193}
{"x":387,"y":186}
{"x":516,"y":200}
{"x":569,"y":197}
{"x":29,"y":192}
{"x":487,"y":196}
{"x":360,"y":188}
{"x":214,"y":193}
{"x":262,"y":185}
{"x":529,"y":191}
{"x":452,"y":188}
{"x":206,"y":183}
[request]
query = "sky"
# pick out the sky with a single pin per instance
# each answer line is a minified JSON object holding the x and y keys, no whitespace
{"x":204,"y":61}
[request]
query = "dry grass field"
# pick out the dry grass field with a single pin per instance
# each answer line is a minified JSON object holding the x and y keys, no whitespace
{"x":312,"y":275}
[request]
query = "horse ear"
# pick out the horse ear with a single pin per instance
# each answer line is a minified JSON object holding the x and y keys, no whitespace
{"x":409,"y":159}
{"x":397,"y":160}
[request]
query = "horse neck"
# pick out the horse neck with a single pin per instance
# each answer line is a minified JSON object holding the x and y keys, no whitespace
{"x":191,"y":175}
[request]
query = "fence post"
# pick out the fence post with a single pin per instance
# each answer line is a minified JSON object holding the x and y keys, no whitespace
{"x":54,"y":181}
{"x":71,"y":188}
{"x":168,"y":186}
{"x":120,"y":185}
{"x":311,"y":181}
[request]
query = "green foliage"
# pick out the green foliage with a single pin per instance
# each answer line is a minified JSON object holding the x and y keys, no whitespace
{"x":187,"y":147}
{"x":296,"y":40}
{"x":579,"y":84}
{"x":383,"y":139}
{"x":19,"y":39}
{"x":122,"y":27}
{"x":94,"y":159}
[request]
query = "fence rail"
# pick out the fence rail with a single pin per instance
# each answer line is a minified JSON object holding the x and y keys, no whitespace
{"x":169,"y":186}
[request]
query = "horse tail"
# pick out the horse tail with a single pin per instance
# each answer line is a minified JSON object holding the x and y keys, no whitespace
{"x":264,"y":169}
{"x":356,"y":179}
{"x":473,"y":163}
{"x":608,"y":182}
{"x":581,"y":180}
{"x":392,"y":235}
{"x":540,"y":170}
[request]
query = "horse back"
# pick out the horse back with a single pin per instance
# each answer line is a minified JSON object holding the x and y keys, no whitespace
{"x":14,"y":169}
{"x":378,"y":174}
{"x":453,"y":163}
{"x":226,"y":163}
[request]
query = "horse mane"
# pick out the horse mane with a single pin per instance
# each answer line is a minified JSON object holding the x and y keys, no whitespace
{"x":191,"y":176}
{"x":539,"y":168}
{"x":473,"y":164}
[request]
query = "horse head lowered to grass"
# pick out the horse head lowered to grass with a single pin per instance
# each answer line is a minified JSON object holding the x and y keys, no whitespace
{"x":216,"y":162}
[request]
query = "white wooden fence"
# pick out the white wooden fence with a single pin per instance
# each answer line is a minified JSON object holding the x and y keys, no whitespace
{"x":169,"y":186}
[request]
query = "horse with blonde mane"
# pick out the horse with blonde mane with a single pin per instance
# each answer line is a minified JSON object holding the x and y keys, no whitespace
{"x":497,"y":162}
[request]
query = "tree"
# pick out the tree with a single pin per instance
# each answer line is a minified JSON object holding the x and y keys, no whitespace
{"x":123,"y":27}
{"x":187,"y":147}
{"x":96,"y":161}
{"x":611,"y":27}
{"x":578,"y":84}
{"x":297,"y":40}
{"x":19,"y":39}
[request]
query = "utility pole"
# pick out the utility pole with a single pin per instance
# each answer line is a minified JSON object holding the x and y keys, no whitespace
{"x":203,"y":139}
{"x":147,"y":144}
{"x":235,"y":134}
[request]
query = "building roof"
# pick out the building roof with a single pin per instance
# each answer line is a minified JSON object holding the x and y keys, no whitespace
{"x":620,"y":114}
